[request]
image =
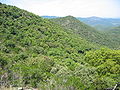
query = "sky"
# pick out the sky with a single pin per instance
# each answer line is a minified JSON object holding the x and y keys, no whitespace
{"x":77,"y":8}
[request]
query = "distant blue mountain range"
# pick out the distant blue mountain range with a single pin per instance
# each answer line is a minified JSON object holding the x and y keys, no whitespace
{"x":101,"y":23}
{"x":50,"y":17}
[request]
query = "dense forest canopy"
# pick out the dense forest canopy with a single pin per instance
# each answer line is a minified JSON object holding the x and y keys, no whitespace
{"x":38,"y":52}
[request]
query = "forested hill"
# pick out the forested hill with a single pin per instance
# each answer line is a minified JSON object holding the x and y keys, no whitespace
{"x":87,"y":32}
{"x":114,"y":33}
{"x":20,"y":28}
{"x":114,"y":30}
{"x":31,"y":45}
{"x":35,"y":52}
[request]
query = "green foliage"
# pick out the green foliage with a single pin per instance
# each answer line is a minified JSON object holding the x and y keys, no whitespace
{"x":107,"y":63}
{"x":89,"y":33}
{"x":36,"y":52}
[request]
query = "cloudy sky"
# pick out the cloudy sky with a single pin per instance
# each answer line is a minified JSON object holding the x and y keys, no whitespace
{"x":77,"y":8}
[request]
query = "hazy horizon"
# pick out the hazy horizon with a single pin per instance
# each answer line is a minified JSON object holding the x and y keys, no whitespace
{"x":83,"y":17}
{"x":76,"y":8}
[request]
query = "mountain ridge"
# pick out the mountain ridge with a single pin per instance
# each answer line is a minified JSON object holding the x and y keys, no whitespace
{"x":83,"y":30}
{"x":99,"y":23}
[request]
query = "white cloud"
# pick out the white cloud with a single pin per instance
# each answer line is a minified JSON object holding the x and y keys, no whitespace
{"x":79,"y":8}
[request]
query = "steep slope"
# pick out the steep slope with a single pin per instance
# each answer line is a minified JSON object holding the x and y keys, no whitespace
{"x":85,"y":31}
{"x":33,"y":50}
{"x":101,"y":23}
